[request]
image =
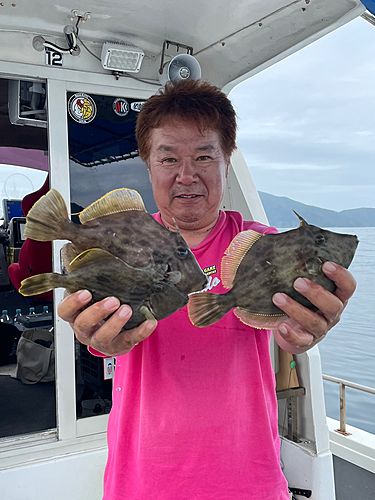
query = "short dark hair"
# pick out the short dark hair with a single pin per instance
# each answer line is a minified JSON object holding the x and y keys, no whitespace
{"x":195,"y":101}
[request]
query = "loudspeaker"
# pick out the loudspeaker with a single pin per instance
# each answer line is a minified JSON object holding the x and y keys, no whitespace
{"x":181,"y":67}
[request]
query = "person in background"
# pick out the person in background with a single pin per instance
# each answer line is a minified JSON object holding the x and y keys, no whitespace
{"x":194,"y":411}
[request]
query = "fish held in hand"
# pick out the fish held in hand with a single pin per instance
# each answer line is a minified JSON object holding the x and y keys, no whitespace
{"x":257,"y":266}
{"x":150,"y":294}
{"x":118,"y":223}
{"x":117,"y":250}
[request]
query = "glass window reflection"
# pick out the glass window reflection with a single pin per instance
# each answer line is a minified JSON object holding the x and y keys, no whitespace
{"x":27,"y":387}
{"x":103,"y":156}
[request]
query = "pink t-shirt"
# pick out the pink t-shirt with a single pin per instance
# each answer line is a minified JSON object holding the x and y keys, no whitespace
{"x":194,"y":413}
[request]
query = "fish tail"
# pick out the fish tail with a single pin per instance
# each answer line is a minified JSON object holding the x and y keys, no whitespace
{"x":48,"y":219}
{"x":206,"y":308}
{"x":41,"y":283}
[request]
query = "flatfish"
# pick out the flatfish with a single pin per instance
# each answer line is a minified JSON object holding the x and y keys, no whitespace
{"x":256,"y":266}
{"x":118,"y":249}
{"x":116,"y":222}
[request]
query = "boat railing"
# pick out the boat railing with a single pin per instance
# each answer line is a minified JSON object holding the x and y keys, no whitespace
{"x":367,"y":16}
{"x":343,"y":385}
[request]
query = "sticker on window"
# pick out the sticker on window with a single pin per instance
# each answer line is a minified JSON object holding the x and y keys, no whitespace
{"x":82,"y":108}
{"x":137,"y":106}
{"x":121,"y":106}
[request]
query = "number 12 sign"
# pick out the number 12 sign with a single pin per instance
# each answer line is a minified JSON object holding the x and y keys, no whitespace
{"x":53,"y":58}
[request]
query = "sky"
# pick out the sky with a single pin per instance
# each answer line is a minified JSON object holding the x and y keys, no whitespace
{"x":16,"y":182}
{"x":307,"y":123}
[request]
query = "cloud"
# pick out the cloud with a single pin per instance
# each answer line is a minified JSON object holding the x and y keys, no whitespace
{"x":16,"y":182}
{"x":365,"y":133}
{"x":307,"y":123}
{"x":285,"y":167}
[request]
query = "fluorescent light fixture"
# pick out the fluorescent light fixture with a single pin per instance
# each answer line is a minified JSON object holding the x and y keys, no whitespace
{"x":121,"y":57}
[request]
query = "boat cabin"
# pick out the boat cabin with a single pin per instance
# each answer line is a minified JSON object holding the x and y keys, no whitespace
{"x":73,"y":78}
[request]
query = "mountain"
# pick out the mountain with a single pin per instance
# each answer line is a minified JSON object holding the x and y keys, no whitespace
{"x":279,"y":210}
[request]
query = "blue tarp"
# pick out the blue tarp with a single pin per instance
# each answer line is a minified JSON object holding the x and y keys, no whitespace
{"x":370,"y":5}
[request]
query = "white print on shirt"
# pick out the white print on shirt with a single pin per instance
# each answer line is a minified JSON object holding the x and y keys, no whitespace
{"x":212,"y":281}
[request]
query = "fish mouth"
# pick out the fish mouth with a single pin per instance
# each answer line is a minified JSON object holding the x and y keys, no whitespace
{"x":199,"y":285}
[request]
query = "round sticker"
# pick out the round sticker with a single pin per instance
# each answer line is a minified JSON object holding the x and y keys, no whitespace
{"x":137,"y":106}
{"x":120,"y":106}
{"x":82,"y":108}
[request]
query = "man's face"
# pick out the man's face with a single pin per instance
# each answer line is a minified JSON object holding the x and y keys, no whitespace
{"x":187,"y":171}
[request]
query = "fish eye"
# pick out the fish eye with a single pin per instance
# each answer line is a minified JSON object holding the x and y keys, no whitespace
{"x":182,"y":252}
{"x":319,"y":240}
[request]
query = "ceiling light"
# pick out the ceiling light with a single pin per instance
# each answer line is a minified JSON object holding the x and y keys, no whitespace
{"x":121,"y":57}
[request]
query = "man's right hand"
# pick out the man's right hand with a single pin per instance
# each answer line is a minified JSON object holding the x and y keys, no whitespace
{"x":101,"y":324}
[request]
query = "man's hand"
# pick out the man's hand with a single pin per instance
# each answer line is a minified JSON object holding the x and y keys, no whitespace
{"x":93,"y":326}
{"x":304,"y":328}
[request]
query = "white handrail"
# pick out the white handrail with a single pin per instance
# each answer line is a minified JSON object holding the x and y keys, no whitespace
{"x":343,"y":384}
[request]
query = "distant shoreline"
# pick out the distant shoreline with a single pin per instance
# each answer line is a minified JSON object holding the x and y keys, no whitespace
{"x":279,"y":210}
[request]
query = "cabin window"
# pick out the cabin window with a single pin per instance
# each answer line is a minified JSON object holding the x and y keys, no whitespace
{"x":27,"y":390}
{"x":103,"y":156}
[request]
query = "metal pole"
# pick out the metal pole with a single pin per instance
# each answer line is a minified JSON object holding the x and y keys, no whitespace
{"x":342,"y":409}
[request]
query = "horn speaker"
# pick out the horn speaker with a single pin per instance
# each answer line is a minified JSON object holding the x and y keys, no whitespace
{"x":181,"y":67}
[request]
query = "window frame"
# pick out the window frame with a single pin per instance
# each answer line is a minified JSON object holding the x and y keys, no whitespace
{"x":71,"y":434}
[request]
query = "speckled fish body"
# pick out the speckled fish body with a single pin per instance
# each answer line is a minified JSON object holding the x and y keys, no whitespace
{"x":118,"y":223}
{"x":118,"y":249}
{"x":146,"y":290}
{"x":257,"y":266}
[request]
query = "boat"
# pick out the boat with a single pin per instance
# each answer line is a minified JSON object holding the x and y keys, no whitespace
{"x":73,"y":76}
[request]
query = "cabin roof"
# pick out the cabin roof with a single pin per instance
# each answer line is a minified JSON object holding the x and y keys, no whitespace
{"x":230,"y":39}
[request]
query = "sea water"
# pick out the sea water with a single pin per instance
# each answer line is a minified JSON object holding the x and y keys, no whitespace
{"x":348,"y":351}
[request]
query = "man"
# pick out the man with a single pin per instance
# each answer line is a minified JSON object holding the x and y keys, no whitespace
{"x":194,"y":410}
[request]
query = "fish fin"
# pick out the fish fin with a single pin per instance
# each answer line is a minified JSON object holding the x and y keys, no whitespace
{"x":146,"y":312}
{"x":301,"y":219}
{"x":92,"y":255}
{"x":41,"y":283}
{"x":206,"y":308}
{"x":67,"y":254}
{"x":48,"y":218}
{"x":116,"y":201}
{"x":101,"y":257}
{"x":234,"y":255}
{"x":259,"y":321}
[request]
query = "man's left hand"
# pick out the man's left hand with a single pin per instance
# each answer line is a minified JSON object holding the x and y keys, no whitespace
{"x":304,"y":328}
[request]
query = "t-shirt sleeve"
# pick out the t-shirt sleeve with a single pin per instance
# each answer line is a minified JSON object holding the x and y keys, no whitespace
{"x":94,"y":352}
{"x":259,"y":227}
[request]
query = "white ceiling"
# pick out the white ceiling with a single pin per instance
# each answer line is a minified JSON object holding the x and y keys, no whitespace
{"x":231,"y":39}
